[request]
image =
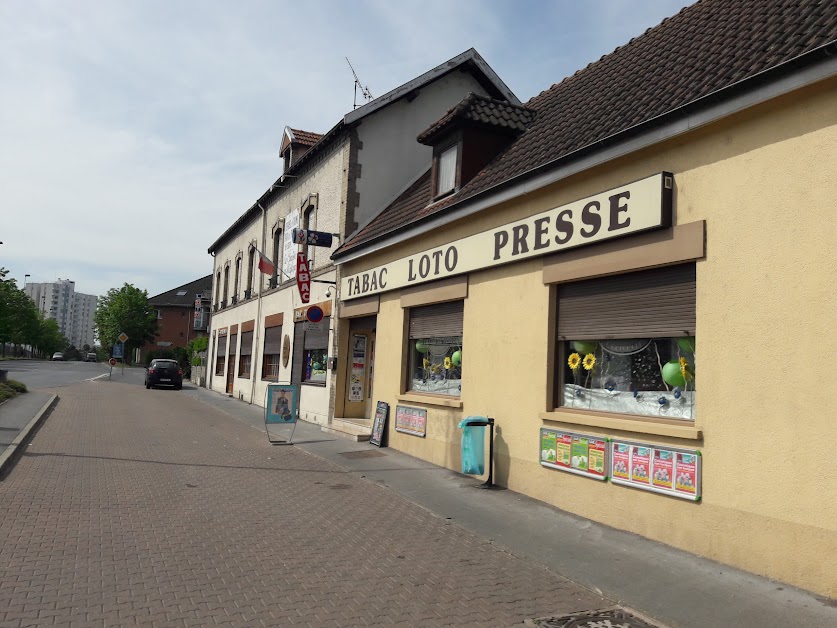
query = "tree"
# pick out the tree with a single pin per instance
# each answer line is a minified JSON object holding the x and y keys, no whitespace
{"x":125,"y":310}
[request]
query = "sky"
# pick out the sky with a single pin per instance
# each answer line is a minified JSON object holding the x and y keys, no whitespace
{"x":133,"y":133}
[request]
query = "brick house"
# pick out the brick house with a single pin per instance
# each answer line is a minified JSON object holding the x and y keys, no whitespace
{"x":182,"y":314}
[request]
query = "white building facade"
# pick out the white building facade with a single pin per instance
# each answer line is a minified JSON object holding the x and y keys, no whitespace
{"x":73,"y":311}
{"x":334,"y":183}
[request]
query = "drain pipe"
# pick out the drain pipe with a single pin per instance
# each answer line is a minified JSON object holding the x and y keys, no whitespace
{"x":258,"y":325}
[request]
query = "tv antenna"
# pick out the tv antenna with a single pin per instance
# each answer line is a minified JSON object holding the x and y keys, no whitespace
{"x":364,"y":91}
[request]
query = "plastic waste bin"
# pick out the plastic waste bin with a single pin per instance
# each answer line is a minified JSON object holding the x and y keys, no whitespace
{"x":473,"y":444}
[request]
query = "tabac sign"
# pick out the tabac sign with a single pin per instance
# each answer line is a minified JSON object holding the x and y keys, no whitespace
{"x":639,"y":206}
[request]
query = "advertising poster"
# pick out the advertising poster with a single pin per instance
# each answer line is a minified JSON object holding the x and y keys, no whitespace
{"x":580,"y":453}
{"x":621,"y":461}
{"x":686,"y":473}
{"x":290,"y":247}
{"x":663,"y":469}
{"x":549,"y":450}
{"x":379,"y":425}
{"x":577,"y":453}
{"x":596,"y":456}
{"x":641,"y":465}
{"x":411,"y":420}
{"x":358,"y":368}
{"x":666,"y":470}
{"x":282,"y":401}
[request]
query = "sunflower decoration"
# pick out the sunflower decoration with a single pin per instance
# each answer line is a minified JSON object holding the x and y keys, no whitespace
{"x":589,"y":362}
{"x":574,"y":361}
{"x":426,"y":363}
{"x":447,"y":364}
{"x":685,"y":369}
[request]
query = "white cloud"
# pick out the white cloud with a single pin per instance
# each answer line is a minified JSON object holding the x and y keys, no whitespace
{"x":133,"y":133}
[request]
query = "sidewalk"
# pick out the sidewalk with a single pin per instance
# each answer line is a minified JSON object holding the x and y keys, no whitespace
{"x":17,"y":419}
{"x":669,"y":585}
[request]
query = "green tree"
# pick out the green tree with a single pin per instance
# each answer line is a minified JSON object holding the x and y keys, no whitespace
{"x":125,"y":310}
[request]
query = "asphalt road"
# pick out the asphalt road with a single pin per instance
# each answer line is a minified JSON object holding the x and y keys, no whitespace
{"x":43,"y":374}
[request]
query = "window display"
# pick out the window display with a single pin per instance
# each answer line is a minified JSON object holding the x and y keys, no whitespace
{"x":436,"y":365}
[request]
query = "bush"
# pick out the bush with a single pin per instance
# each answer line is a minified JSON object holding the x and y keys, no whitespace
{"x":15,"y":385}
{"x":6,"y":392}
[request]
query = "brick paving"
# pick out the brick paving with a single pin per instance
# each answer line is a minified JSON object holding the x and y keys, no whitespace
{"x":149,"y":507}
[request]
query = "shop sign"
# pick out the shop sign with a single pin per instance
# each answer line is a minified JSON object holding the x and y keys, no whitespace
{"x":632,"y":208}
{"x":303,"y":277}
{"x":665,"y":470}
{"x":411,"y":420}
{"x":581,"y":454}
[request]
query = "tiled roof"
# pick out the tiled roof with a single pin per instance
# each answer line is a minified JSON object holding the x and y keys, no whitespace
{"x":706,"y":47}
{"x":481,"y":110}
{"x":306,"y":137}
{"x":171,"y":297}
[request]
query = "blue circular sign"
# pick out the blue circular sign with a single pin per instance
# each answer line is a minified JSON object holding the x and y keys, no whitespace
{"x":315,"y":314}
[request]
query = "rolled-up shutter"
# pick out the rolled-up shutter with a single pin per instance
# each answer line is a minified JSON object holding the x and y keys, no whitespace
{"x":317,"y":339}
{"x":647,"y":304}
{"x":221,"y":349}
{"x":233,"y":343}
{"x":273,"y":340}
{"x":247,"y":343}
{"x":438,"y":320}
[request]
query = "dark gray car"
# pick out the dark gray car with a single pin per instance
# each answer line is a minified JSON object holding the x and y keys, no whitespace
{"x":164,"y":373}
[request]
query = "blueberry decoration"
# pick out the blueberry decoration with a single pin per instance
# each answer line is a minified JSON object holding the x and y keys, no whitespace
{"x":636,"y":393}
{"x":677,"y":393}
{"x":578,"y":392}
{"x":610,"y":386}
{"x":663,"y":401}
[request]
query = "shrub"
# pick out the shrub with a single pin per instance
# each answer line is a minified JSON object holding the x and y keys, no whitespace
{"x":15,"y":385}
{"x":6,"y":392}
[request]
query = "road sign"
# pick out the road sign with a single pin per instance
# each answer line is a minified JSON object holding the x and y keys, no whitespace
{"x":314,"y":313}
{"x":123,"y":337}
{"x":312,"y":238}
{"x":112,"y":361}
{"x":303,"y":277}
{"x":117,"y":350}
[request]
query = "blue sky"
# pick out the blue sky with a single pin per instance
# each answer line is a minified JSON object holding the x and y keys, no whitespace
{"x":133,"y":133}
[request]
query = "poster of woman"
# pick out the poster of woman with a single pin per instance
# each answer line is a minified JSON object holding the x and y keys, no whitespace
{"x":282,"y":402}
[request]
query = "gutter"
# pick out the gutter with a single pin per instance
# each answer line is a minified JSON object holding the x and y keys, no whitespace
{"x":821,"y":63}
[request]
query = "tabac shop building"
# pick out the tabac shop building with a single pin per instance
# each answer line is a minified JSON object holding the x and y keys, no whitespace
{"x":634,"y":278}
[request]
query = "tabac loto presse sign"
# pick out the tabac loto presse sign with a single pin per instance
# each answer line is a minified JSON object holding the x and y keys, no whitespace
{"x":639,"y":206}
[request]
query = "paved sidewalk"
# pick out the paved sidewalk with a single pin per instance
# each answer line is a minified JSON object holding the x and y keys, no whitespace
{"x":672,"y":586}
{"x":16,"y":413}
{"x":145,"y":507}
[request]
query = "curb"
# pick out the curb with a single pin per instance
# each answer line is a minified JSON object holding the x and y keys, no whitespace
{"x":8,"y":457}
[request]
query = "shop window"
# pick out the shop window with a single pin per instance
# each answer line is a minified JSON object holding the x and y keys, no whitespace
{"x":435,"y":349}
{"x":627,"y":343}
{"x":272,"y":353}
{"x":220,"y":355}
{"x":311,"y":353}
{"x":245,"y":360}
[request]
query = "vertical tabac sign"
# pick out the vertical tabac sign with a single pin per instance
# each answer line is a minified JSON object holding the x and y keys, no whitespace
{"x":303,"y":277}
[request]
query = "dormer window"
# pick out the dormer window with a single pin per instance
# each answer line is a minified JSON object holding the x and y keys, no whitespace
{"x":446,"y":170}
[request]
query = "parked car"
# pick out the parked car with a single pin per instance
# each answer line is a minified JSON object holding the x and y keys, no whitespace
{"x":57,"y":357}
{"x":164,"y":373}
{"x":91,"y":357}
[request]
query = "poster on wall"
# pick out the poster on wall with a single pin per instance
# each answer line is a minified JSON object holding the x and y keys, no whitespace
{"x":358,"y":368}
{"x":289,"y":246}
{"x":380,"y":424}
{"x":665,"y":470}
{"x":411,"y":420}
{"x":575,"y":453}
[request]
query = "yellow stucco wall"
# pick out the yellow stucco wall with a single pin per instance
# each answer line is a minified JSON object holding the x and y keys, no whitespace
{"x":764,"y":181}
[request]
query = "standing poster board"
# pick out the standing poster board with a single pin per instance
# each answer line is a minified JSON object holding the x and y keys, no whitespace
{"x":666,"y":470}
{"x":281,"y":407}
{"x":580,"y":454}
{"x":411,"y":420}
{"x":379,"y":424}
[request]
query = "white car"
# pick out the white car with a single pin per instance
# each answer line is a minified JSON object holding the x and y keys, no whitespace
{"x":58,"y":356}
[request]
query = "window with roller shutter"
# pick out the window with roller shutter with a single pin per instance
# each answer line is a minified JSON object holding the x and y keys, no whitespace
{"x":245,"y":360}
{"x":435,"y":348}
{"x":272,"y":353}
{"x":220,"y":355}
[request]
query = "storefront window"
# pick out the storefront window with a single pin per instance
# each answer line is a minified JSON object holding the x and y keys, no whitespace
{"x":315,"y":365}
{"x":436,"y":365}
{"x":654,"y":377}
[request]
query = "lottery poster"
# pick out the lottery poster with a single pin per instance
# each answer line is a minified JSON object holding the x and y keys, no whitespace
{"x":641,"y":465}
{"x":686,"y":473}
{"x":577,"y":453}
{"x":621,"y":461}
{"x":664,"y":470}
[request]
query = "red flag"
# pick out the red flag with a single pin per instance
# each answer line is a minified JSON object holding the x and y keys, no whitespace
{"x":265,"y":265}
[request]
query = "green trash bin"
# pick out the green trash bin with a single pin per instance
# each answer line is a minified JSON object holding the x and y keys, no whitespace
{"x":473,"y":447}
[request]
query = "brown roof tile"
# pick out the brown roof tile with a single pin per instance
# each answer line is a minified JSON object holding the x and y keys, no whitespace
{"x":481,"y":110}
{"x":306,"y":137}
{"x":706,"y":47}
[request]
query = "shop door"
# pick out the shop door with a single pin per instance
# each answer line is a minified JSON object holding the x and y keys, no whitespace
{"x":360,"y":370}
{"x":231,"y":375}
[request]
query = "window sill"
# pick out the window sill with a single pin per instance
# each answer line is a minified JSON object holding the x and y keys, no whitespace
{"x":624,"y":424}
{"x":317,"y":384}
{"x":244,"y":376}
{"x":431,"y":400}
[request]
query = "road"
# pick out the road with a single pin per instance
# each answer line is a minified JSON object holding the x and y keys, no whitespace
{"x":135,"y":506}
{"x":44,"y":374}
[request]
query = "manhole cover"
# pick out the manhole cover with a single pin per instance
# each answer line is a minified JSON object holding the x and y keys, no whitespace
{"x":604,"y":618}
{"x":362,"y":454}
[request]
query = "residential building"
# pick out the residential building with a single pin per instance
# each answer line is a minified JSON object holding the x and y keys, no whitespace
{"x":182,"y":314}
{"x":664,"y":215}
{"x":332,"y":183}
{"x":73,"y":311}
